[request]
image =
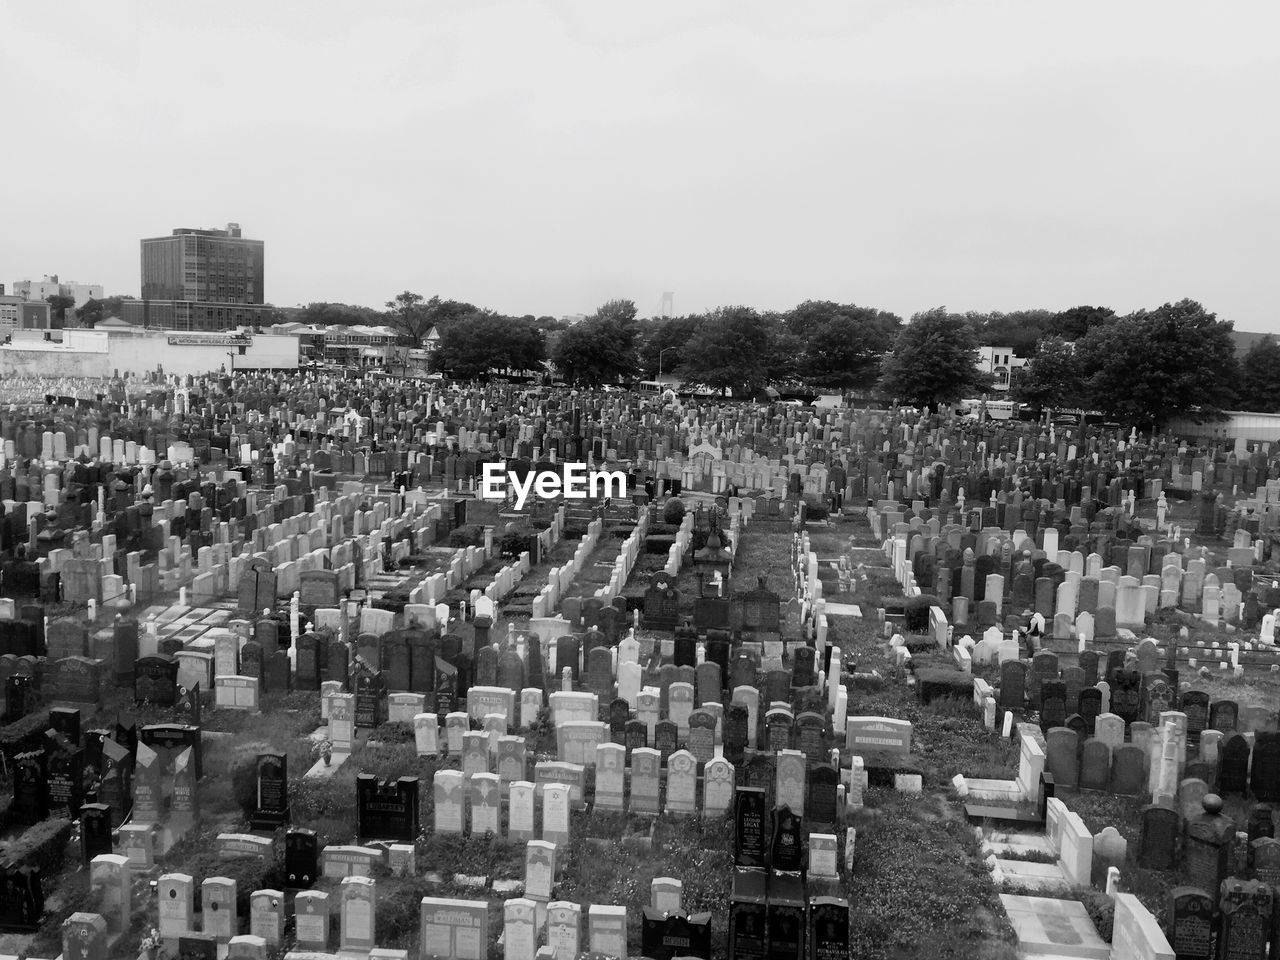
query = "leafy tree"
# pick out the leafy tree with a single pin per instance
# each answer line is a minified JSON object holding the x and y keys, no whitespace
{"x":412,"y":316}
{"x":94,"y":311}
{"x":662,"y":343}
{"x":485,"y":342}
{"x":601,"y":348}
{"x":1019,"y":330}
{"x":934,"y":360}
{"x":733,"y":347}
{"x":1260,"y":377}
{"x":443,"y":312}
{"x":335,"y":314}
{"x":58,"y":306}
{"x":408,"y":315}
{"x":1176,"y":360}
{"x":1075,"y":323}
{"x":786,"y":353}
{"x":618,"y":311}
{"x":841,"y":344}
{"x":1052,"y":377}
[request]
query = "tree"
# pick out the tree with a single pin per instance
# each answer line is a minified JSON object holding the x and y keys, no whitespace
{"x":601,"y":348}
{"x":1052,"y":377}
{"x":617,"y":311}
{"x":58,"y":306}
{"x":662,"y":343}
{"x":1177,"y":360}
{"x":407,"y":314}
{"x":1260,"y":377}
{"x":94,"y":311}
{"x":413,"y":317}
{"x":934,"y":360}
{"x":732,"y":348}
{"x":1075,"y":323}
{"x":484,"y":342}
{"x":338,"y":314}
{"x":841,"y":345}
{"x":1019,"y":330}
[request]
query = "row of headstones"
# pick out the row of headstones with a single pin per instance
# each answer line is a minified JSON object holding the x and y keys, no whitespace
{"x":736,"y":725}
{"x":1212,"y":844}
{"x":968,"y":560}
{"x":205,"y":570}
{"x":1087,"y":609}
{"x":1242,"y":923}
{"x":607,"y":419}
{"x":56,"y":780}
{"x":90,"y":935}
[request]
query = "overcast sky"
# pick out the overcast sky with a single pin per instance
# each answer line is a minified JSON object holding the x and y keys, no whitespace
{"x":544,"y":157}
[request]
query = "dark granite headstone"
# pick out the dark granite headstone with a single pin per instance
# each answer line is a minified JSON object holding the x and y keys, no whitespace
{"x":751,"y":827}
{"x":387,"y":810}
{"x":786,"y":852}
{"x":301,"y":858}
{"x":1233,"y":767}
{"x":1190,"y":927}
{"x":271,"y":809}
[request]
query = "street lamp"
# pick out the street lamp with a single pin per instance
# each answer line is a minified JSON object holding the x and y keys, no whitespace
{"x":660,"y":353}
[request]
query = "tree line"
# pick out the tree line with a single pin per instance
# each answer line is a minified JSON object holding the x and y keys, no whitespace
{"x":1146,"y":366}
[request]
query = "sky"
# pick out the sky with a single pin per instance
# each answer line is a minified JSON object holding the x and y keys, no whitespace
{"x":543,"y":158}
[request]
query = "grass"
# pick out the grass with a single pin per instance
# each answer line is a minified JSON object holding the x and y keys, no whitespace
{"x":920,"y":887}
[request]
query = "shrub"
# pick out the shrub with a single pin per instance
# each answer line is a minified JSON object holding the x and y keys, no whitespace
{"x":815,"y":511}
{"x":916,"y":611}
{"x":673,"y":511}
{"x":42,"y":846}
{"x":399,"y":909}
{"x":394,"y":732}
{"x":1101,"y":910}
{"x":467,"y":535}
{"x":24,"y":734}
{"x":515,"y":542}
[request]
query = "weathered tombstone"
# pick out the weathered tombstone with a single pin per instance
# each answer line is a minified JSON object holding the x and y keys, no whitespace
{"x":1247,"y":907}
{"x":1207,"y":845}
{"x":1191,"y":924}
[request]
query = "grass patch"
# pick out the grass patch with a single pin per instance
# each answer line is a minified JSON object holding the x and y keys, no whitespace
{"x":918,"y":880}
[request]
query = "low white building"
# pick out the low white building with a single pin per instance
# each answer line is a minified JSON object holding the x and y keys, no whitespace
{"x":127,"y":349}
{"x":1000,"y":363}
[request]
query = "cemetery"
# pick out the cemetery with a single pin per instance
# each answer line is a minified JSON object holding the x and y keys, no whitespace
{"x":276,"y":681}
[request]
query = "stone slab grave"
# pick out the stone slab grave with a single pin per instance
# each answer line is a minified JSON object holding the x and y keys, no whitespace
{"x":1047,"y":927}
{"x":1065,"y":838}
{"x":998,"y":799}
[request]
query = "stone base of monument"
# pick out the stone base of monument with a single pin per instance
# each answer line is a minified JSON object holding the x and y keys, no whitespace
{"x":1051,"y":928}
{"x":323,"y":771}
